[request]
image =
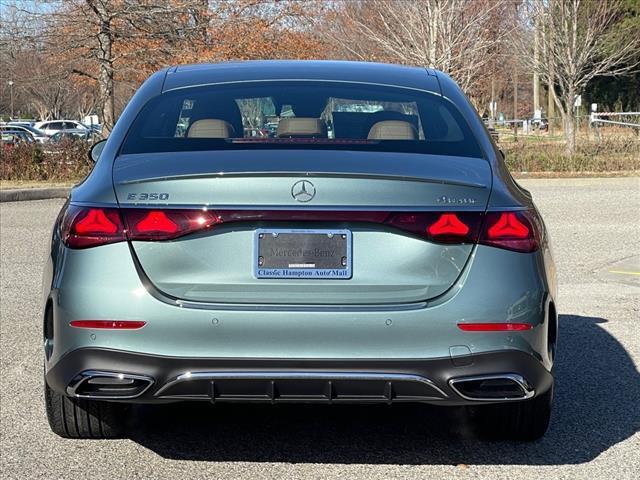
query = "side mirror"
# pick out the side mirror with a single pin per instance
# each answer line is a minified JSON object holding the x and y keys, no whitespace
{"x":96,"y":150}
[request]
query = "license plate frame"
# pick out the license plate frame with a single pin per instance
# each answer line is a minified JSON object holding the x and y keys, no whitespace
{"x":305,"y":265}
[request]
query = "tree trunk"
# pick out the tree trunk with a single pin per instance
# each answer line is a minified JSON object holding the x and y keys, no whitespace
{"x":107,"y":100}
{"x":569,"y":122}
{"x":105,"y":74}
{"x":550,"y":109}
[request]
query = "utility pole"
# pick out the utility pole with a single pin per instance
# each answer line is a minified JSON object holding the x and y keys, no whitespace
{"x":11,"y":96}
{"x":515,"y":99}
{"x":536,"y":78}
{"x":492,"y":108}
{"x":515,"y":88}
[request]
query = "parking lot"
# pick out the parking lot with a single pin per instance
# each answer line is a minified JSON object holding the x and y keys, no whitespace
{"x":595,"y":228}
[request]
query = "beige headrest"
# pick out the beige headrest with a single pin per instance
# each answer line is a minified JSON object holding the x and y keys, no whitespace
{"x":393,"y":130}
{"x":210,"y":128}
{"x":301,"y":127}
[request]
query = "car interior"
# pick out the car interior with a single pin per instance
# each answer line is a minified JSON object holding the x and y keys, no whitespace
{"x":288,"y":113}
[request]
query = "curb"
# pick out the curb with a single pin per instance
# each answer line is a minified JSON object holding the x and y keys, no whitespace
{"x":20,"y":195}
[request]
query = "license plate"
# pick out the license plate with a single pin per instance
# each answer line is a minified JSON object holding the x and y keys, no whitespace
{"x":304,"y":254}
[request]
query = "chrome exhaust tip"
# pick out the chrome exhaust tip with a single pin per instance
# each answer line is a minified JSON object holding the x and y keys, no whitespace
{"x":491,"y":388}
{"x":100,"y":385}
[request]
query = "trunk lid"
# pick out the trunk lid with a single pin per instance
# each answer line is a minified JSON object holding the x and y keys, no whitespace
{"x":217,"y":265}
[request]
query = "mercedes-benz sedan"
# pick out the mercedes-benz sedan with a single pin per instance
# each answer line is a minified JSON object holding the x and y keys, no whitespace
{"x":327,"y":232}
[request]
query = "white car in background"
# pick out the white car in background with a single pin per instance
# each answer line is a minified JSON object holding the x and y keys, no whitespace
{"x":51,"y":127}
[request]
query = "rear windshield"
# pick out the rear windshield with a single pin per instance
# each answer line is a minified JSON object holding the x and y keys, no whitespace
{"x":315,"y":115}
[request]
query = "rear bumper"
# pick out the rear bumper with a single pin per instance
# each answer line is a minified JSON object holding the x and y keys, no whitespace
{"x":496,"y":286}
{"x":300,"y":380}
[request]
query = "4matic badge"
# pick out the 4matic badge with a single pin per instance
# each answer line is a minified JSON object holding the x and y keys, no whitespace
{"x":457,"y":200}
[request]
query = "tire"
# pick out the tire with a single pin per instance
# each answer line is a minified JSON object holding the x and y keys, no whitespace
{"x":526,"y":421}
{"x":79,"y":418}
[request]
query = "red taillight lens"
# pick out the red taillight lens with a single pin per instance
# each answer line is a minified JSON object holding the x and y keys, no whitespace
{"x":494,"y":327}
{"x":508,"y":225}
{"x":84,"y":227}
{"x":156,"y":222}
{"x":448,"y":224}
{"x":166,"y":224}
{"x":449,"y":227}
{"x":109,"y":324}
{"x":519,"y":231}
{"x":96,"y":221}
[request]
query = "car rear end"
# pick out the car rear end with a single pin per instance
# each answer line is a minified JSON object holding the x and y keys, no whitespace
{"x":362,"y":254}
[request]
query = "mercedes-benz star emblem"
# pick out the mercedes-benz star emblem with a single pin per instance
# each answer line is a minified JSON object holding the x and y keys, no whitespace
{"x":303,"y":190}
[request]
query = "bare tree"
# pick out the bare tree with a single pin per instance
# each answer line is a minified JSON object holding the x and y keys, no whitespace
{"x":579,"y":40}
{"x":455,"y":36}
{"x":104,"y":41}
{"x":114,"y":44}
{"x":123,"y":36}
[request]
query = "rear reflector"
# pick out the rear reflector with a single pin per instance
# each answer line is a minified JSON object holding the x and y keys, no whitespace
{"x":109,"y":324}
{"x":494,"y":327}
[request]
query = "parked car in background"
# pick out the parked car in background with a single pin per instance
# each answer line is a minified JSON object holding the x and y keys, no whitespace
{"x":57,"y":141}
{"x":51,"y":127}
{"x":21,"y":121}
{"x":75,"y":134}
{"x":96,"y":127}
{"x":11,"y":138}
{"x":38,"y":135}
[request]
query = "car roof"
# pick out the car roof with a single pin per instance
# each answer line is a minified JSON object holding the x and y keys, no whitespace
{"x":27,"y":128}
{"x":71,"y":130}
{"x":184,"y":76}
{"x":54,"y":121}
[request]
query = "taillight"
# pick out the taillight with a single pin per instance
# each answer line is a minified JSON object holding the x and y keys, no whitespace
{"x":84,"y":227}
{"x":519,"y":230}
{"x":447,"y":227}
{"x":166,"y":224}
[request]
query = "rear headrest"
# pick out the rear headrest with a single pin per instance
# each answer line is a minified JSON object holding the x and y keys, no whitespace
{"x":210,"y":128}
{"x":393,"y":130}
{"x":301,"y":127}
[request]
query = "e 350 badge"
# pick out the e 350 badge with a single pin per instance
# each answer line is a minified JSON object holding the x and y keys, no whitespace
{"x":148,"y":196}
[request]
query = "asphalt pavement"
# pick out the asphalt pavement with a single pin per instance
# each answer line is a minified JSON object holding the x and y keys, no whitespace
{"x":594,"y":434}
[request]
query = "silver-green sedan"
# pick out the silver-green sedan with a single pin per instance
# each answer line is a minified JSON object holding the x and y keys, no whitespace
{"x":292,"y":231}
